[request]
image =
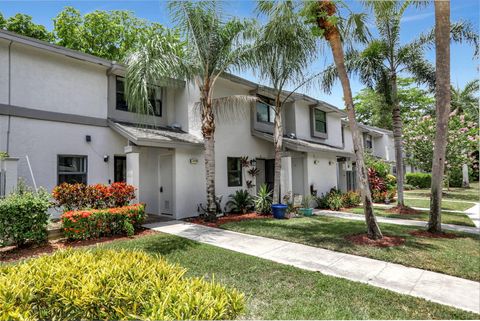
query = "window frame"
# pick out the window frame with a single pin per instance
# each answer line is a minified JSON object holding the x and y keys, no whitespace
{"x":366,"y":140}
{"x":313,"y":122}
{"x":238,"y":171}
{"x":270,"y":103}
{"x":157,"y":91}
{"x":85,"y":157}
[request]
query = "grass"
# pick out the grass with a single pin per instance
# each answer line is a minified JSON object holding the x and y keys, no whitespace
{"x":446,"y":205}
{"x":447,"y":217}
{"x":277,"y":291}
{"x":471,"y":194}
{"x":459,"y":257}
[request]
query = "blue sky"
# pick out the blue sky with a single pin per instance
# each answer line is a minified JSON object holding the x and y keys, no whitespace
{"x":416,"y":21}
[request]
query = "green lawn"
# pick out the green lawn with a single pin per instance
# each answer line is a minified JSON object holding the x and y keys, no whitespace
{"x":471,"y":194}
{"x":446,"y":205}
{"x":277,"y":291}
{"x":448,"y":218}
{"x":459,"y":257}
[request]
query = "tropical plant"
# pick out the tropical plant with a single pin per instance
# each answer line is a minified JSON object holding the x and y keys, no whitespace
{"x":334,"y":201}
{"x":351,"y":199}
{"x":323,"y":15}
{"x":464,"y":101}
{"x":442,"y":100}
{"x":263,"y":200}
{"x":212,"y":47}
{"x":285,"y":49}
{"x":380,"y":62}
{"x":307,"y":201}
{"x":241,"y":201}
{"x":99,"y":284}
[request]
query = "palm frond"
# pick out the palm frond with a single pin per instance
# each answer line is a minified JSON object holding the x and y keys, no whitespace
{"x":229,"y":108}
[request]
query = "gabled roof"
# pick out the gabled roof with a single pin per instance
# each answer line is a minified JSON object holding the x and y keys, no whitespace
{"x":302,"y":145}
{"x":156,"y":136}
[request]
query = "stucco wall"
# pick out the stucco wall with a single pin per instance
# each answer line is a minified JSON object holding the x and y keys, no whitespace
{"x":322,"y":174}
{"x":53,"y":82}
{"x":42,"y":141}
{"x":4,"y":71}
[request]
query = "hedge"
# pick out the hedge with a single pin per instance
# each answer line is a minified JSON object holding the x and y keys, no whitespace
{"x":110,"y":285}
{"x":24,"y":218}
{"x":420,"y":180}
{"x":85,"y":224}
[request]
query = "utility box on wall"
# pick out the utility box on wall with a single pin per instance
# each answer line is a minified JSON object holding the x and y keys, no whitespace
{"x":8,"y":175}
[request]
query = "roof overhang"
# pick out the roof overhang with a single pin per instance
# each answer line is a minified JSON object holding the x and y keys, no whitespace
{"x":301,"y":145}
{"x":156,"y":136}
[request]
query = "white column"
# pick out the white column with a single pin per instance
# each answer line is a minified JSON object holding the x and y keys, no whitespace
{"x":133,"y":168}
{"x":286,"y":176}
{"x":10,"y":168}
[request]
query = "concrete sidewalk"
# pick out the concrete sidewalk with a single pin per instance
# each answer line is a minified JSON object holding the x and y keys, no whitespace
{"x":436,"y":287}
{"x":397,"y":221}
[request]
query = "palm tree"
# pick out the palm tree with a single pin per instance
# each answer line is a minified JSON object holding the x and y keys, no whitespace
{"x":286,"y":47}
{"x":211,"y":47}
{"x":442,"y":101}
{"x":379,"y":64}
{"x":465,"y":101}
{"x":326,"y":19}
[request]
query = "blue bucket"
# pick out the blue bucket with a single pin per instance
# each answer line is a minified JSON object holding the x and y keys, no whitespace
{"x":279,"y":210}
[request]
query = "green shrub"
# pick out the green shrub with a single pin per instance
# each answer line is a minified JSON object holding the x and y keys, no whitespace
{"x":351,"y":199}
{"x":455,"y":178}
{"x":107,"y":284}
{"x":85,"y":224}
{"x":240,"y":202}
{"x":263,"y":200}
{"x":24,"y":217}
{"x":420,"y":180}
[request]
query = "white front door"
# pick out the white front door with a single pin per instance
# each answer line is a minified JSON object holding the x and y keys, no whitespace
{"x":165,"y":185}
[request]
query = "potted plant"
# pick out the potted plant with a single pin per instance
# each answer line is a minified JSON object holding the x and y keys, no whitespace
{"x":307,"y":209}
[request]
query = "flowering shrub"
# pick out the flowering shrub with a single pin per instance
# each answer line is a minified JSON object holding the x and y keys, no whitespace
{"x":98,"y":196}
{"x":351,"y":199}
{"x":382,"y":184}
{"x":85,"y":224}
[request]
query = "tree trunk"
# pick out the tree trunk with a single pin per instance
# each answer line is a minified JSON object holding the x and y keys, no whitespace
{"x":373,"y":230}
{"x":397,"y":138}
{"x":442,"y":101}
{"x":277,"y":142}
{"x":208,"y":132}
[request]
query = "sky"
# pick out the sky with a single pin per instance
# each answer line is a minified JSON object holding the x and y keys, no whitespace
{"x":416,"y":20}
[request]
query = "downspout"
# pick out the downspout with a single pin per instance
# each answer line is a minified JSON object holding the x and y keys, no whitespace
{"x":9,"y":92}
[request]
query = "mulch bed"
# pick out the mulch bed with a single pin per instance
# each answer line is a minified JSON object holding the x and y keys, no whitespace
{"x":443,"y":235}
{"x":228,"y":218}
{"x":404,"y":210}
{"x":386,"y":241}
{"x":13,"y":253}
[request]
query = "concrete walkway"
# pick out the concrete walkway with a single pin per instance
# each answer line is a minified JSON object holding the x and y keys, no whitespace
{"x":474,"y":214}
{"x":397,"y":221}
{"x":436,"y":287}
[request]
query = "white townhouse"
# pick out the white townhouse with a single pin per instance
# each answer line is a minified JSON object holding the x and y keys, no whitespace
{"x":64,"y":116}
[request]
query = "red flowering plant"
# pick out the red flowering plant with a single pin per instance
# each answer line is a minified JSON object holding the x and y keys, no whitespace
{"x":70,"y":196}
{"x":121,"y":193}
{"x":94,"y":223}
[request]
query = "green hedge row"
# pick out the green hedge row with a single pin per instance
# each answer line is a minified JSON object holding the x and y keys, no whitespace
{"x":419,"y":180}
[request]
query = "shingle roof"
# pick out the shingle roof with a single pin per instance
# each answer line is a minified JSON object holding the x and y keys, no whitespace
{"x":157,"y":136}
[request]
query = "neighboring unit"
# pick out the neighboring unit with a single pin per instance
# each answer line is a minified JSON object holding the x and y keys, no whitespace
{"x":66,"y":112}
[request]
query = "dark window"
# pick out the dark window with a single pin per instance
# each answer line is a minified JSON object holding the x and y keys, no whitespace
{"x":154,"y":93}
{"x":265,"y":110}
{"x":343,"y":135}
{"x":234,"y":171}
{"x":320,"y":121}
{"x":368,"y":141}
{"x":120,"y":169}
{"x":72,"y":169}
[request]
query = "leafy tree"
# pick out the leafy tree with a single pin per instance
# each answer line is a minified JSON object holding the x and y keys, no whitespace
{"x":372,"y":108}
{"x":107,"y":34}
{"x":326,"y":20}
{"x":23,"y":25}
{"x":465,"y":101}
{"x":212,"y":47}
{"x":285,"y":48}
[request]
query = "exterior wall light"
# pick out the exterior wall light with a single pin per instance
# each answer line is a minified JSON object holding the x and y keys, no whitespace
{"x":193,"y":161}
{"x":106,"y":158}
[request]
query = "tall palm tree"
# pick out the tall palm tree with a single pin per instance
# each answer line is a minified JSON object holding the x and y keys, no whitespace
{"x":465,"y":100}
{"x":211,"y":47}
{"x":286,"y":47}
{"x":442,"y":101}
{"x":325,"y":16}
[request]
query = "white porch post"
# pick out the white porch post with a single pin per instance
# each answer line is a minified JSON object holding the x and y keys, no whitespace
{"x":133,"y":168}
{"x":286,"y":176}
{"x":9,"y":167}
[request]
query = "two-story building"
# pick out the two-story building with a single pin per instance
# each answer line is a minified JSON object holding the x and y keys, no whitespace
{"x":64,"y":115}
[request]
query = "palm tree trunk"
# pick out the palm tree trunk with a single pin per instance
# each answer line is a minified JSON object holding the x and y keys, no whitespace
{"x":373,"y":230}
{"x":397,"y":138}
{"x":277,"y":142}
{"x":442,"y":101}
{"x":208,"y":132}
